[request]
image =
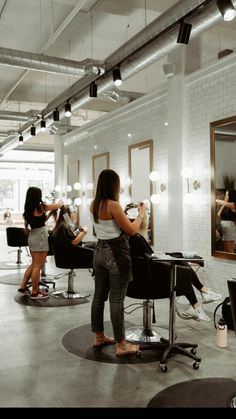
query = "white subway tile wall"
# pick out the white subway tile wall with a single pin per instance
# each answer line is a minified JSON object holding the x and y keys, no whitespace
{"x":208,"y":98}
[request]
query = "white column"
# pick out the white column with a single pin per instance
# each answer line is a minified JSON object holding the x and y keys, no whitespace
{"x":60,"y":175}
{"x":176,"y":135}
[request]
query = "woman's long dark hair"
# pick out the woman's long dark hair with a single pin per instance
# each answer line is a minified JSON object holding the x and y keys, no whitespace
{"x":108,"y":187}
{"x":60,"y":220}
{"x":33,"y":201}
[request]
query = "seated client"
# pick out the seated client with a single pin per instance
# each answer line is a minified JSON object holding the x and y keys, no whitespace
{"x":186,"y":278}
{"x":65,"y":231}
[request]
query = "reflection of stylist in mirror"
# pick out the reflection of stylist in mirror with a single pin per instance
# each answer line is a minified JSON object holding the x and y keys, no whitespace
{"x":227,"y":214}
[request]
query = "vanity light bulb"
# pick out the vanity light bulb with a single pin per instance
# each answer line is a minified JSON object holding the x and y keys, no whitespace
{"x":155,"y":198}
{"x":57,"y":188}
{"x":77,"y":186}
{"x":69,"y":201}
{"x":154,"y":176}
{"x":78,"y":201}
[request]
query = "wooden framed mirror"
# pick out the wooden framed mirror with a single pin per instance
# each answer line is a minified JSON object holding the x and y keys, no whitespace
{"x":140,"y":161}
{"x":223,"y":179}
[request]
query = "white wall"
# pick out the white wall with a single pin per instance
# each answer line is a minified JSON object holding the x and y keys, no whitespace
{"x":210,"y":95}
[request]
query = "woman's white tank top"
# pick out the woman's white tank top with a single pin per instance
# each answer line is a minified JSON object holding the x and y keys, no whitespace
{"x":106,"y":229}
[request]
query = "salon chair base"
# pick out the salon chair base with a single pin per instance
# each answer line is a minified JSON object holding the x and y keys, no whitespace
{"x":180,"y":348}
{"x":69,"y":295}
{"x":146,"y":336}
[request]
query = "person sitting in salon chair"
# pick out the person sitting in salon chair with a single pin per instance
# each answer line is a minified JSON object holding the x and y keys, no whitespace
{"x":65,"y":230}
{"x":186,"y":278}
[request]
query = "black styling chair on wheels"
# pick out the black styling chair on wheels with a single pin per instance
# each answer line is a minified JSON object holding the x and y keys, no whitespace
{"x":16,"y":237}
{"x":152,"y":280}
{"x":148,"y":289}
{"x":71,"y":257}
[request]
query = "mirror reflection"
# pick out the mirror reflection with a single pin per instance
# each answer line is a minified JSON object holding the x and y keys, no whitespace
{"x":141,"y":156}
{"x":223,"y":157}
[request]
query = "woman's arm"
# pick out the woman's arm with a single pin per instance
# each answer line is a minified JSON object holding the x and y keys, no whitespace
{"x":122,"y":220}
{"x":226,"y":204}
{"x":56,"y":205}
{"x":80,"y":236}
{"x":220,"y":211}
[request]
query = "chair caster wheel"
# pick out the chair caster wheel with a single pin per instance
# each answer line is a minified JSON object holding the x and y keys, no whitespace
{"x":193,"y":351}
{"x":163,"y":367}
{"x":196,"y":365}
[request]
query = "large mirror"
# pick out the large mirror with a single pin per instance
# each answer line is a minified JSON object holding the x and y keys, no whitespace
{"x":140,"y":166}
{"x":223,"y":158}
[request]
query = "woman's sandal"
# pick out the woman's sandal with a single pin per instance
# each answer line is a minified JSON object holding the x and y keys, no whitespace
{"x":127,"y":349}
{"x":103,"y":341}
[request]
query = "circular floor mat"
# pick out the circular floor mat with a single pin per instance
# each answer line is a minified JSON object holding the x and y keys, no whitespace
{"x":49,"y":302}
{"x":78,"y":341}
{"x":205,"y":392}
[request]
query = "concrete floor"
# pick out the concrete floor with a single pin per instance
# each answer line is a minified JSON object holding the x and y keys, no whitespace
{"x":37,"y":371}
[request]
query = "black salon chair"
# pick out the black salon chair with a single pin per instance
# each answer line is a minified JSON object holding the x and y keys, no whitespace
{"x":71,"y":257}
{"x":16,"y":237}
{"x":147,"y":286}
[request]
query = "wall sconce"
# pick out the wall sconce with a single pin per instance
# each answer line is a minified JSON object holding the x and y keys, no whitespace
{"x":155,"y":177}
{"x":187,"y":173}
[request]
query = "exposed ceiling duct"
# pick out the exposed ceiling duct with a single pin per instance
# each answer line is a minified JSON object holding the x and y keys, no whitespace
{"x":146,"y":47}
{"x":41,"y":62}
{"x":14,"y":116}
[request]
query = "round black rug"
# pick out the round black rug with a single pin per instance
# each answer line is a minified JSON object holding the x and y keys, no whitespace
{"x":205,"y":392}
{"x":79,"y":341}
{"x":49,"y":302}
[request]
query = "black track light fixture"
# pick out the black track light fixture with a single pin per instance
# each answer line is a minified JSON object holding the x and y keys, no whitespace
{"x":117,"y":77}
{"x":93,"y":89}
{"x":21,"y":138}
{"x":56,"y":115}
{"x":33,"y":130}
{"x":227,"y":9}
{"x":43,"y":124}
{"x":184,"y":33}
{"x":67,"y":109}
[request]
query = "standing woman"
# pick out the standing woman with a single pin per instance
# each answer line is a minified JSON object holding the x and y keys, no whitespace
{"x":112,"y":261}
{"x":227,"y":215}
{"x":35,"y":216}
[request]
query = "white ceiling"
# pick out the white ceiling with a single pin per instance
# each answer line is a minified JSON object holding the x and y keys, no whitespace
{"x":79,"y":30}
